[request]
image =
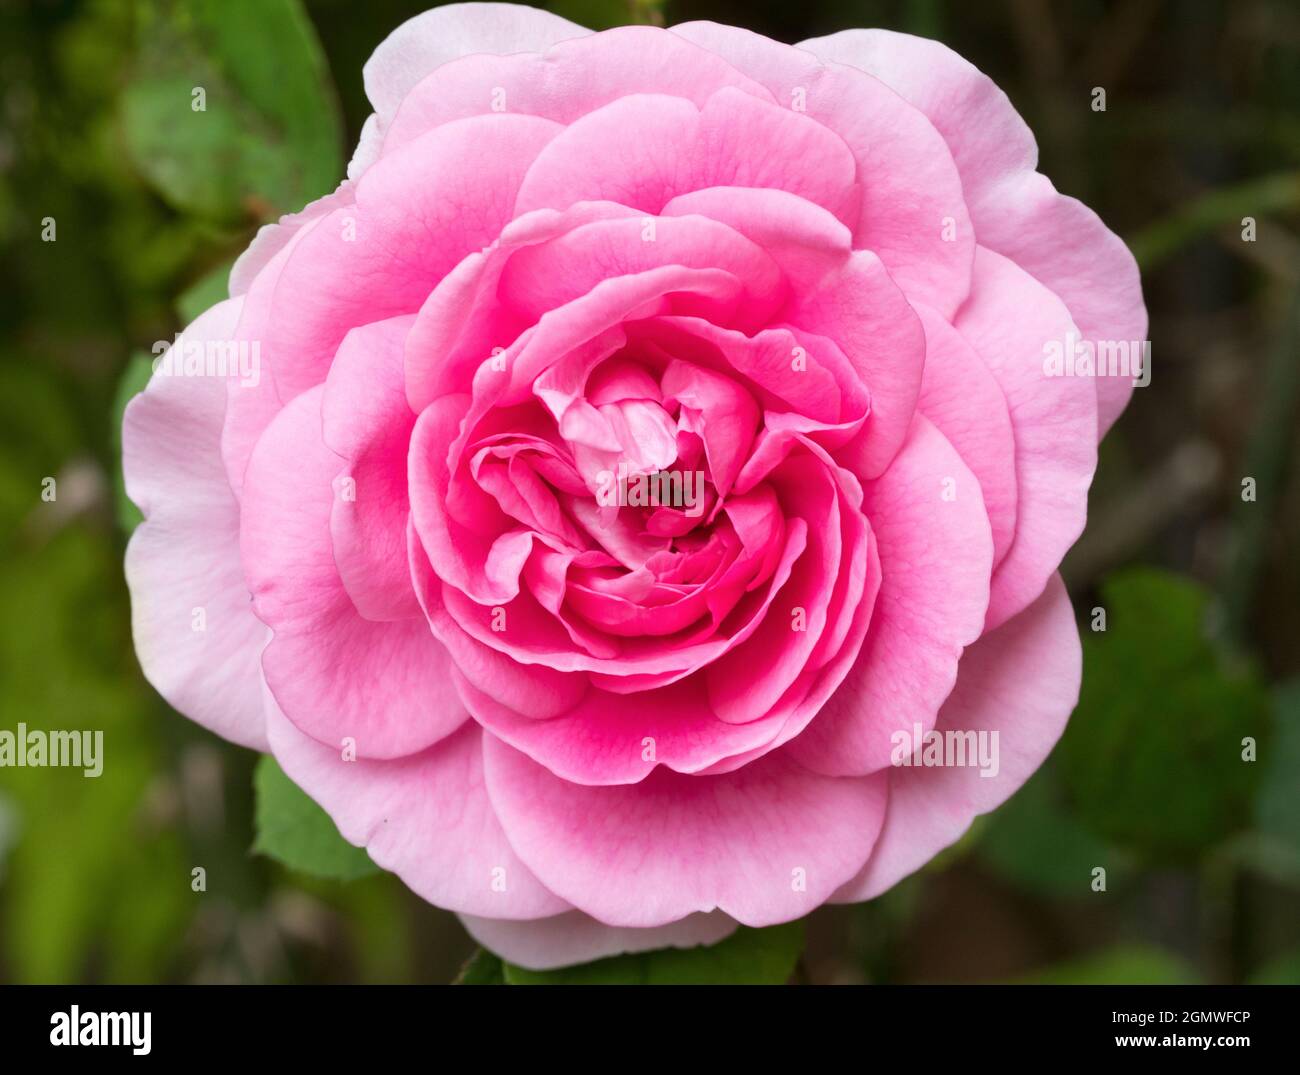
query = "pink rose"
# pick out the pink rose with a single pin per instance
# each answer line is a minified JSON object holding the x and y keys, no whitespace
{"x":649,"y":437}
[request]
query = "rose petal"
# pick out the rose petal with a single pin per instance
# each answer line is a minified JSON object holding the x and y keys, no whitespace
{"x":765,"y":844}
{"x":567,"y":81}
{"x":573,"y":937}
{"x":1015,"y":211}
{"x":1021,"y":682}
{"x":366,"y":421}
{"x":185,"y":556}
{"x":913,"y":213}
{"x":963,"y":400}
{"x":645,"y":150}
{"x":935,"y":557}
{"x":425,"y":817}
{"x":426,"y":42}
{"x":334,"y":674}
{"x":1008,"y":321}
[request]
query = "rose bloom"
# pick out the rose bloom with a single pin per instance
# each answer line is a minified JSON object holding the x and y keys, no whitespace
{"x":821,"y":279}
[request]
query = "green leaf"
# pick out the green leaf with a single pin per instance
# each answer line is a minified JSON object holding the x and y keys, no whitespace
{"x":139,"y":368}
{"x":293,"y":830}
{"x":1284,"y":970}
{"x":1125,"y":965}
{"x":1279,"y":193}
{"x":747,"y":957}
{"x":1153,"y":755}
{"x":39,"y":434}
{"x":8,"y":831}
{"x":204,"y":293}
{"x":268,"y":138}
{"x":482,"y":968}
{"x":1260,"y":853}
{"x":1036,"y":843}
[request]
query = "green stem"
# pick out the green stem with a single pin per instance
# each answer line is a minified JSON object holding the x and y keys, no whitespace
{"x":1218,"y":208}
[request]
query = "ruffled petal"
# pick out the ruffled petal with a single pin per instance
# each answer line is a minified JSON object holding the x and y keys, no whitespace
{"x":1015,"y":211}
{"x":573,"y":937}
{"x":196,"y":637}
{"x":935,"y":556}
{"x":422,"y":44}
{"x":912,"y":211}
{"x":425,"y":817}
{"x":1020,"y":683}
{"x":383,"y":685}
{"x":1008,"y":321}
{"x":764,"y":844}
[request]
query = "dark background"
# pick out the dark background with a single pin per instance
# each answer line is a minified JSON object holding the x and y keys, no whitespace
{"x":1201,"y":587}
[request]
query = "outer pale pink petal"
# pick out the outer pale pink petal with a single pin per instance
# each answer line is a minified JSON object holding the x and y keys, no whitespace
{"x":651,"y":853}
{"x":963,"y":400}
{"x":935,"y":557}
{"x":334,"y":674}
{"x":370,"y":144}
{"x":272,"y":238}
{"x":567,"y":81}
{"x":185,"y":555}
{"x":986,"y":136}
{"x":250,"y":408}
{"x":425,"y":817}
{"x":573,"y":937}
{"x":1016,"y":211}
{"x":1009,"y":320}
{"x":424,"y":43}
{"x":1020,"y":682}
{"x":1096,"y":274}
{"x":910,"y":185}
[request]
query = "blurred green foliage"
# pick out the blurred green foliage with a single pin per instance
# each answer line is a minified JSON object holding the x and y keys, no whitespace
{"x":151,"y":200}
{"x":271,"y":140}
{"x":1135,"y":965}
{"x":1037,"y":842}
{"x":1153,"y":756}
